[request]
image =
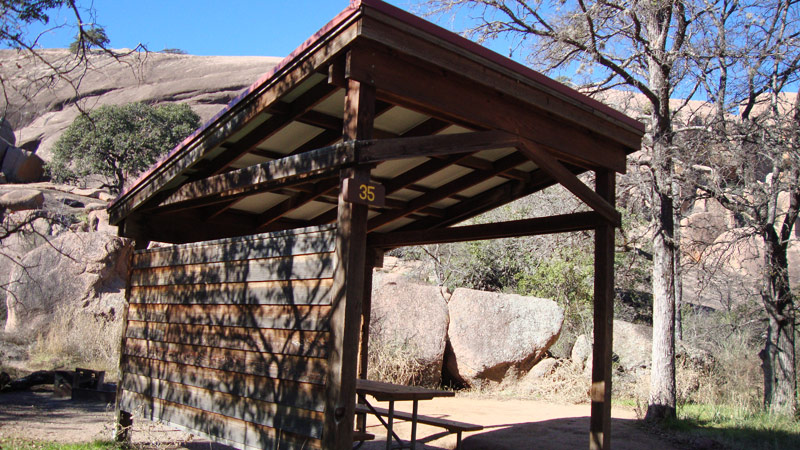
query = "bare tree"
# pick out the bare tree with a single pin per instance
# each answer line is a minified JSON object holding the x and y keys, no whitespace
{"x":751,"y":142}
{"x":639,"y":46}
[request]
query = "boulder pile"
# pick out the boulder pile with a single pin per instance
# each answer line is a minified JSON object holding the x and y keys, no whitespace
{"x":475,"y":337}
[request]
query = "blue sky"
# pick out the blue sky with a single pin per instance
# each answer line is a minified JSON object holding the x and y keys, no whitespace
{"x":205,"y":27}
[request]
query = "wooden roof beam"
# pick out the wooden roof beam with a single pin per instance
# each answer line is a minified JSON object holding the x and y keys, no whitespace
{"x":276,"y":212}
{"x":284,"y":113}
{"x":269,"y":175}
{"x":436,"y":145}
{"x":580,"y":221}
{"x":497,"y":196}
{"x":448,"y":190}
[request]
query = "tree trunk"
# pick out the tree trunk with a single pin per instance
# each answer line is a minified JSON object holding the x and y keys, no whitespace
{"x":778,"y":355}
{"x":661,"y":404}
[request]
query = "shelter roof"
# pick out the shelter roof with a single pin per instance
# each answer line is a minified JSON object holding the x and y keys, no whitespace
{"x":458,"y":130}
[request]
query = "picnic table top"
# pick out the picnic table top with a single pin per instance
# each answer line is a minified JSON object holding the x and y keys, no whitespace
{"x":387,"y":391}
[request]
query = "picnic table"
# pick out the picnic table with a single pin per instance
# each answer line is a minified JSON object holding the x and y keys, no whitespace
{"x":388,"y":392}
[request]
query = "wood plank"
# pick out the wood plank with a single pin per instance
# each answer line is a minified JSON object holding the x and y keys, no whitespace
{"x":567,"y":179}
{"x":453,"y":426}
{"x":600,"y":421}
{"x":447,"y":95}
{"x":437,"y":145}
{"x":265,"y":246}
{"x":268,"y":269}
{"x":299,"y":421}
{"x":302,"y":395}
{"x":525,"y":227}
{"x":276,"y":212}
{"x":221,"y":428}
{"x":205,"y":422}
{"x":290,"y":292}
{"x":284,"y":342}
{"x":296,"y":317}
{"x":283,"y":367}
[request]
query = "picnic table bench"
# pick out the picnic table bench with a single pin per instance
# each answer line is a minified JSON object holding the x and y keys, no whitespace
{"x":391,"y":393}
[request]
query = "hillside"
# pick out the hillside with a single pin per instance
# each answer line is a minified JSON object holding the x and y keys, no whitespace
{"x":40,"y":108}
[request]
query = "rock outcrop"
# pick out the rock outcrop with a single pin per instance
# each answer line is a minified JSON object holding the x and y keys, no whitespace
{"x":411,"y":318}
{"x":206,"y":83}
{"x":74,"y":270}
{"x":492,"y":335}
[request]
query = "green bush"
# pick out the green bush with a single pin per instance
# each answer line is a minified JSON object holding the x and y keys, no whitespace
{"x":118,"y":142}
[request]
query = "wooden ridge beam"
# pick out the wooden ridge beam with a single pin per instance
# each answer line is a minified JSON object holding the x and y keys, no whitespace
{"x":526,"y":227}
{"x":566,"y":178}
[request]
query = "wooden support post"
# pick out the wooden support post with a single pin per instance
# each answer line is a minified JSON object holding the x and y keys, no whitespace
{"x":363,"y":352}
{"x":348,"y":282}
{"x":600,"y":423}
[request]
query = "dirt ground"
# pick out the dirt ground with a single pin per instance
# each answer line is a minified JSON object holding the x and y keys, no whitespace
{"x":509,"y":424}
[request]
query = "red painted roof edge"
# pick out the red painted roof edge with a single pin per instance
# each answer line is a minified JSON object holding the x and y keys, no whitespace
{"x":341,"y":17}
{"x":496,"y":58}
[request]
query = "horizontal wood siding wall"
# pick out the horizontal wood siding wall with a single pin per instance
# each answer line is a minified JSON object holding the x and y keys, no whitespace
{"x":230,"y":338}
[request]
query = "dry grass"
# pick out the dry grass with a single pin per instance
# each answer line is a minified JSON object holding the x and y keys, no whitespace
{"x":394,"y":362}
{"x":76,"y":339}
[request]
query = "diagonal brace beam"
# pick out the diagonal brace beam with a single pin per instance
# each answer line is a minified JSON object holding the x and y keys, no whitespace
{"x":561,"y":174}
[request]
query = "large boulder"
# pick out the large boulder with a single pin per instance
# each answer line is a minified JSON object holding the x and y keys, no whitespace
{"x":75,"y":270}
{"x":699,"y":230}
{"x":206,"y":83}
{"x":409,"y":321}
{"x":493,"y":335}
{"x":633,"y":345}
{"x":22,"y":166}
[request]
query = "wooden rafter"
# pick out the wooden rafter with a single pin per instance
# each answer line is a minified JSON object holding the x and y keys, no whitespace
{"x":453,"y":187}
{"x":453,"y":98}
{"x":276,"y":212}
{"x":283,"y":114}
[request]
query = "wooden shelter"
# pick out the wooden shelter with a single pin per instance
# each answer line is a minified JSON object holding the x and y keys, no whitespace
{"x":380,"y":131}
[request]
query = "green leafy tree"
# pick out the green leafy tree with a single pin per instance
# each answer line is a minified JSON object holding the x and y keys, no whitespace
{"x":120,"y":141}
{"x":85,"y":40}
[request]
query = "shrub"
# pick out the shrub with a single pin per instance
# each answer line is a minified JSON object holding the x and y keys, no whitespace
{"x":119,"y":141}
